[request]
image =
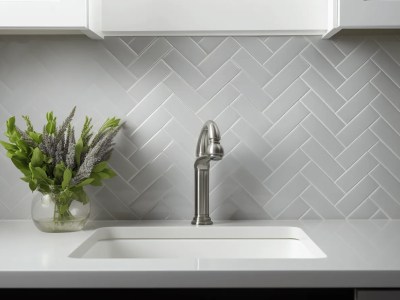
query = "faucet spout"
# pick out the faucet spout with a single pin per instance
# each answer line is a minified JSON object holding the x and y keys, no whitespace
{"x":208,"y":148}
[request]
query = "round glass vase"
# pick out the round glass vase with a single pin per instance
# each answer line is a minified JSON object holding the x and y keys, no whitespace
{"x":57,"y":212}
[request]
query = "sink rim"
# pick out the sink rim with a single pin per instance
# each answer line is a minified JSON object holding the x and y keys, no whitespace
{"x":198,"y":232}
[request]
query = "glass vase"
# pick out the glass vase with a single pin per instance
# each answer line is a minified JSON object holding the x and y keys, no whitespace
{"x":56,"y":212}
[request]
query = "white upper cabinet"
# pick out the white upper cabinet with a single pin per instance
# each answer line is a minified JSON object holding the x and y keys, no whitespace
{"x":214,"y":17}
{"x":362,"y":14}
{"x":51,"y":16}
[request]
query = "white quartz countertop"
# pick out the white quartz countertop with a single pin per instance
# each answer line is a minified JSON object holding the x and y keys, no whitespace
{"x":359,"y":254}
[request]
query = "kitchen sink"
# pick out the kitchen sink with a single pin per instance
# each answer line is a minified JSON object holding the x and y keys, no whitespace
{"x":210,"y":242}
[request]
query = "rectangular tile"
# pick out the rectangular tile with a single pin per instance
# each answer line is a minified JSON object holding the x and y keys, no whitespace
{"x":357,"y":171}
{"x":357,"y":80}
{"x":323,"y":89}
{"x":286,"y":171}
{"x":251,"y":114}
{"x":184,"y":92}
{"x":386,"y":203}
{"x":286,"y":100}
{"x":358,"y":148}
{"x":328,"y":72}
{"x":140,"y":43}
{"x":226,"y":119}
{"x":357,"y":58}
{"x":150,"y":173}
{"x":151,"y":150}
{"x":286,"y":77}
{"x":322,"y":158}
{"x":388,"y":88}
{"x":209,"y":43}
{"x":148,"y":82}
{"x":148,"y":105}
{"x":322,"y":112}
{"x":322,"y":182}
{"x":357,"y":126}
{"x":251,"y":162}
{"x":328,"y":49}
{"x":218,"y":80}
{"x":218,"y":56}
{"x":150,"y":127}
{"x":150,"y":57}
{"x":388,"y":66}
{"x":276,"y":42}
{"x":322,"y":135}
{"x":387,"y":111}
{"x":114,"y":207}
{"x":188,"y":48}
{"x":177,"y":133}
{"x":387,"y":158}
{"x":120,"y":50}
{"x":252,"y":91}
{"x":255,"y":47}
{"x":252,"y":67}
{"x":387,"y":182}
{"x":357,"y":103}
{"x":184,"y":115}
{"x":286,"y":148}
{"x":251,"y":138}
{"x":218,"y":103}
{"x":184,"y":69}
{"x":294,"y":211}
{"x":286,"y":195}
{"x":320,"y":204}
{"x":357,"y":195}
{"x":252,"y":185}
{"x":285,"y":54}
{"x":149,"y":198}
{"x":122,"y":189}
{"x":365,"y":210}
{"x":286,"y":124}
{"x":122,"y":165}
{"x":387,"y":135}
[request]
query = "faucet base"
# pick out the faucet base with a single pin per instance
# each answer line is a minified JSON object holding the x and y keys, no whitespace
{"x":202,"y":220}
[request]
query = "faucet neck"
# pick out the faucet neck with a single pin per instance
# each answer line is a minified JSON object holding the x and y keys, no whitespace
{"x":208,"y":143}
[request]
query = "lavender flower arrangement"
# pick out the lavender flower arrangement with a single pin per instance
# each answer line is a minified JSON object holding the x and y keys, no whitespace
{"x":53,"y":161}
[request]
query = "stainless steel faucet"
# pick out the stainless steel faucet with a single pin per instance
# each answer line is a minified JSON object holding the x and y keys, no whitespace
{"x":208,"y":148}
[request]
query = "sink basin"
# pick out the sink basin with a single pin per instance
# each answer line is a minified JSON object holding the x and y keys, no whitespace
{"x":198,"y":242}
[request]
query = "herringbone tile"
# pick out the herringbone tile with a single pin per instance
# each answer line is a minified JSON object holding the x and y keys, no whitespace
{"x":310,"y":128}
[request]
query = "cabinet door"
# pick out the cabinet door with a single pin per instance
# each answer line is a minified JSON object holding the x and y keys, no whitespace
{"x":33,"y":14}
{"x":214,"y":17}
{"x":378,"y":295}
{"x":369,"y":13}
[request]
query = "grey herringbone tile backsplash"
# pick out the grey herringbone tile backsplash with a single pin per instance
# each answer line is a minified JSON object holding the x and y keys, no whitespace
{"x":310,"y":127}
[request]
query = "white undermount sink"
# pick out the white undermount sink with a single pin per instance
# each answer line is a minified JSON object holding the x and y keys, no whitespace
{"x":212,"y":242}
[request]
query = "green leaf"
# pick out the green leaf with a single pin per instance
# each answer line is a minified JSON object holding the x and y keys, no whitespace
{"x":67,"y":178}
{"x":96,"y":179}
{"x":81,"y":195}
{"x":109,"y":123}
{"x":32,"y":185}
{"x":59,"y":172}
{"x":100,"y":167}
{"x":10,"y":125}
{"x":21,"y":165}
{"x":37,"y":158}
{"x":87,"y":181}
{"x":28,"y":123}
{"x":8,"y":146}
{"x":78,"y":151}
{"x":40,"y":175}
{"x":37,"y":137}
{"x":51,"y":123}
